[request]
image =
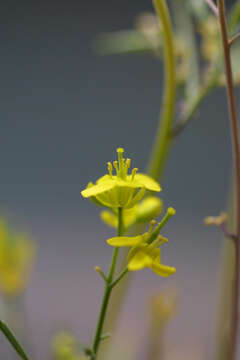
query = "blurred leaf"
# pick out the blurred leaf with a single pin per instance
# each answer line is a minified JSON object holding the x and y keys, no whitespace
{"x":123,"y":42}
{"x":198,"y":8}
{"x":11,"y":338}
{"x":234,"y":18}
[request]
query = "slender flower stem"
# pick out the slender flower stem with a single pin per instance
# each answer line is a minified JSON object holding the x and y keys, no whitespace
{"x":107,"y":292}
{"x":236,"y":158}
{"x":163,"y":141}
{"x":12,"y":339}
{"x":123,"y":273}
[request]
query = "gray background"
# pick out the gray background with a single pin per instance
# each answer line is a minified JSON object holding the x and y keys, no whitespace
{"x":64,"y":110}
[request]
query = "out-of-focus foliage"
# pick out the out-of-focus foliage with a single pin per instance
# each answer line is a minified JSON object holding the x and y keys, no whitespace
{"x":199,"y":68}
{"x":17,"y":255}
{"x":66,"y":347}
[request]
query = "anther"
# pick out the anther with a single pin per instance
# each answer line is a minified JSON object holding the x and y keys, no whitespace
{"x":127,"y":164}
{"x":110,"y":168}
{"x":162,"y":239}
{"x":151,"y":225}
{"x":115,"y":164}
{"x":134,"y":171}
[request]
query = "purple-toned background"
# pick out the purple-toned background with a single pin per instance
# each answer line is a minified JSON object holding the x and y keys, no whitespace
{"x":64,"y":110}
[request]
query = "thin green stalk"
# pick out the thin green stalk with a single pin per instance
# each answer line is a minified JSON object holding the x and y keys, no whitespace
{"x":120,"y":277}
{"x":107,"y":292}
{"x":13,"y":341}
{"x":163,"y":141}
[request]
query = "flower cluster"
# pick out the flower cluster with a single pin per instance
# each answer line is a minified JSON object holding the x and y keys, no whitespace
{"x":126,"y":191}
{"x":145,"y":251}
{"x":121,"y":190}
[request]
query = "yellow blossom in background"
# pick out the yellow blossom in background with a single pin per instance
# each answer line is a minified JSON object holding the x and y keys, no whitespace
{"x":144,"y":211}
{"x":216,"y":220}
{"x":120,"y":190}
{"x":17,"y":253}
{"x":65,"y":347}
{"x":163,"y":307}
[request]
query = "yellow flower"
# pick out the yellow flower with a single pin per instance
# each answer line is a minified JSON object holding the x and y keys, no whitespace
{"x":65,"y":347}
{"x":145,"y":252}
{"x":148,"y":256}
{"x":216,"y":220}
{"x":164,"y":307}
{"x":16,"y":258}
{"x":144,"y":211}
{"x":120,"y":190}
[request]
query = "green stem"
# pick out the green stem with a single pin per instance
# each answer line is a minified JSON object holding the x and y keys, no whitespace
{"x":107,"y":292}
{"x":163,"y":141}
{"x":115,"y":282}
{"x":12,"y":339}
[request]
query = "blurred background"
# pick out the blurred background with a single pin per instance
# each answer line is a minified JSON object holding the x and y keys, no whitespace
{"x":64,"y":111}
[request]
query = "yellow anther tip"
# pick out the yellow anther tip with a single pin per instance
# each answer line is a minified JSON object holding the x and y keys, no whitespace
{"x":153,"y":222}
{"x":97,"y":268}
{"x":171,"y":211}
{"x":120,"y":150}
{"x":162,"y":238}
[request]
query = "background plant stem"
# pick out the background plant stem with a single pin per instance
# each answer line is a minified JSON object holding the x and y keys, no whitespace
{"x":163,"y":141}
{"x":236,"y":158}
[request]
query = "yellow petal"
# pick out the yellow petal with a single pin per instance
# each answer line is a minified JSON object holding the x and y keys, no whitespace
{"x":149,"y":208}
{"x":162,"y":270}
{"x":139,"y":261}
{"x":109,"y":218}
{"x":129,"y":217}
{"x":98,"y":189}
{"x":125,"y":240}
{"x":147,"y":182}
{"x":104,"y":178}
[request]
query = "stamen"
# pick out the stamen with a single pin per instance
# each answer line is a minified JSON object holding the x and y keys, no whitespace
{"x":151,"y":225}
{"x":120,"y":152}
{"x":110,"y":168}
{"x":170,"y":212}
{"x":115,"y":164}
{"x":161,"y":239}
{"x":127,"y":164}
{"x":158,"y":241}
{"x":134,"y":171}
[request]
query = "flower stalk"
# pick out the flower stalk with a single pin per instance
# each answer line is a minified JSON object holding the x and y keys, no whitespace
{"x":109,"y":285}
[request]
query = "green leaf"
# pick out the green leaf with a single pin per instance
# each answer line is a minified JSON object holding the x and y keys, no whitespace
{"x":11,"y":338}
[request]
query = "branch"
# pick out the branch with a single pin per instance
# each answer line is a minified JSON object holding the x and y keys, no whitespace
{"x":236,"y":158}
{"x":233,"y":39}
